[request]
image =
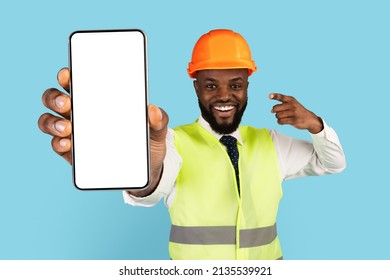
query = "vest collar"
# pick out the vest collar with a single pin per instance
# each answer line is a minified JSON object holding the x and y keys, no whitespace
{"x":203,"y":123}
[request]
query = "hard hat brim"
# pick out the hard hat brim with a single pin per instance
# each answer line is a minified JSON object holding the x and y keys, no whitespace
{"x":244,"y":64}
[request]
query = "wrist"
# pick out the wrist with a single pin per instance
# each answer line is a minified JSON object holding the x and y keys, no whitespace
{"x":317,"y":127}
{"x":154,"y":181}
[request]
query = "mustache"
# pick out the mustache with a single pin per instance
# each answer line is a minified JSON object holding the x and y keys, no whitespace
{"x":220,"y":101}
{"x":208,"y":115}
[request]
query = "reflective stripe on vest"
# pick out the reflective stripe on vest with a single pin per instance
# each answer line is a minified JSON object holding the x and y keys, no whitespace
{"x":222,"y":235}
{"x":210,"y":220}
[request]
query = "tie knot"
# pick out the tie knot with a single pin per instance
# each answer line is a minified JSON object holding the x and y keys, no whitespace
{"x":228,"y":140}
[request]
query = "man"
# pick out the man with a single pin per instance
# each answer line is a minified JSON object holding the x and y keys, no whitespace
{"x":221,"y":181}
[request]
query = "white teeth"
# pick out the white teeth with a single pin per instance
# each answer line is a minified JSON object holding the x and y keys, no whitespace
{"x":223,"y":108}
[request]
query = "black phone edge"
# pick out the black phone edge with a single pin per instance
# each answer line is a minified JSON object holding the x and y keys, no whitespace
{"x":146,"y":103}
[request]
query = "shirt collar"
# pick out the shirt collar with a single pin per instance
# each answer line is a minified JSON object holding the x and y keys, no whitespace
{"x":203,"y":123}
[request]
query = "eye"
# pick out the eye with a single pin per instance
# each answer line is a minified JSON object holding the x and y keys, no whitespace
{"x":236,"y":86}
{"x":210,"y":86}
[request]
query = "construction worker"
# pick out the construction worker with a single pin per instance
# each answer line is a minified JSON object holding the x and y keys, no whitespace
{"x":221,"y":181}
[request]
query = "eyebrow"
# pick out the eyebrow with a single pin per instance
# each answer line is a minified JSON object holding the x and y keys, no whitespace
{"x":231,"y":80}
{"x":236,"y":79}
{"x":210,"y":80}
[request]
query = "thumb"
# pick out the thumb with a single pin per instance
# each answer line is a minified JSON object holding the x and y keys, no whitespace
{"x":158,"y":122}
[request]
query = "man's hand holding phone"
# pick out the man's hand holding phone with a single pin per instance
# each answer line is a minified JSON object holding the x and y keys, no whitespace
{"x":60,"y":128}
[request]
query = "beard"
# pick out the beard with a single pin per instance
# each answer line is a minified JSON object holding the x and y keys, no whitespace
{"x":208,"y":115}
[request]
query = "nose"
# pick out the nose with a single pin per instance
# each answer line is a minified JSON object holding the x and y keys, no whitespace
{"x":224,"y":93}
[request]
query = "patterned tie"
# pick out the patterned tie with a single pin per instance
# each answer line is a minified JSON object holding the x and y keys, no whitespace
{"x":231,"y":144}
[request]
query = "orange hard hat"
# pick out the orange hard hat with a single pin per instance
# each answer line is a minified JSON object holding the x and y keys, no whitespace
{"x":221,"y":49}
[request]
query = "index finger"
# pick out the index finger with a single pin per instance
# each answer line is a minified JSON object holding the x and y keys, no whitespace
{"x":57,"y":101}
{"x":280,"y":97}
{"x":63,"y":78}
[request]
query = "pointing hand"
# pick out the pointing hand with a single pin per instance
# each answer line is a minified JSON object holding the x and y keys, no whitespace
{"x":291,"y":112}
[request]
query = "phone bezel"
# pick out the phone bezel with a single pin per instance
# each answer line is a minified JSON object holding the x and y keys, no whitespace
{"x":146,"y":107}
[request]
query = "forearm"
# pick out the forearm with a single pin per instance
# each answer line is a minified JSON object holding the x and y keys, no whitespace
{"x":329,"y":152}
{"x":163,"y":178}
{"x":299,"y":158}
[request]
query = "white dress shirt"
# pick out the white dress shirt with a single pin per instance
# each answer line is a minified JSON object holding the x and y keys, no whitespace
{"x":296,"y":158}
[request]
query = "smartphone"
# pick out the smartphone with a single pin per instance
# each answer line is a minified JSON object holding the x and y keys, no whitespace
{"x":110,"y":133}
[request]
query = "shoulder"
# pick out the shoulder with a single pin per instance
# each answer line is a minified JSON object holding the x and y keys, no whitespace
{"x":275,"y":136}
{"x":185,"y":127}
{"x":187,"y":132}
{"x":249,"y":131}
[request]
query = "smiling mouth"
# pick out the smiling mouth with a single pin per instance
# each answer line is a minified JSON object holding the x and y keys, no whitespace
{"x":224,"y":108}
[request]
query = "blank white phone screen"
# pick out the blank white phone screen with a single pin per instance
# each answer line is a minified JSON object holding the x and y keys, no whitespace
{"x":110,"y":138}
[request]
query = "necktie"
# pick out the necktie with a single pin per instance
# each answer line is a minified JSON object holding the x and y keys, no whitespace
{"x":231,"y":144}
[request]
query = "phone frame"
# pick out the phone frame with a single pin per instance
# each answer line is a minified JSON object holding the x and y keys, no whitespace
{"x":147,"y":132}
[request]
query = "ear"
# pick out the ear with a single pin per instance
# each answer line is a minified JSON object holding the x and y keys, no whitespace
{"x":196,"y":87}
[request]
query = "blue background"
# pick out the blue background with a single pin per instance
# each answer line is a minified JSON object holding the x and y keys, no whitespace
{"x":333,"y":56}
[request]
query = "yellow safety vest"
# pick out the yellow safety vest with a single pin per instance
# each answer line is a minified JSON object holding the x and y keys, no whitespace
{"x":210,"y":220}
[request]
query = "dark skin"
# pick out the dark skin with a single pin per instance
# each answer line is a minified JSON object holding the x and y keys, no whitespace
{"x":214,"y":87}
{"x":224,"y":91}
{"x":60,"y":129}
